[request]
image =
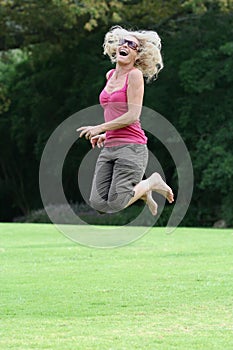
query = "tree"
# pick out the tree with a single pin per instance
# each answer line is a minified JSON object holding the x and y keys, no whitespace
{"x":55,"y":75}
{"x":30,"y":22}
{"x":202,"y":106}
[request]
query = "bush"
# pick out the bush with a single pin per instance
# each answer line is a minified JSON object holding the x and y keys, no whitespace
{"x":90,"y":216}
{"x":85,"y":213}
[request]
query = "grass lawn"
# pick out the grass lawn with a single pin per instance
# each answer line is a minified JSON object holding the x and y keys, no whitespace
{"x":161,"y":292}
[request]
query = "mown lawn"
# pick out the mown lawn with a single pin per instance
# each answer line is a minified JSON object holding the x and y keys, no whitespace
{"x":161,"y":292}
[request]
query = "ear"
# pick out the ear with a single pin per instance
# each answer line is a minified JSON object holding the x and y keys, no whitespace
{"x":137,"y":58}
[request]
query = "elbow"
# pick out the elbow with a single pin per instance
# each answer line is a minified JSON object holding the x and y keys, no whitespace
{"x":134,"y":113}
{"x":133,"y":117}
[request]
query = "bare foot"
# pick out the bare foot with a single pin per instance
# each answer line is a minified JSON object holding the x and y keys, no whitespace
{"x":157,"y":184}
{"x":152,"y":205}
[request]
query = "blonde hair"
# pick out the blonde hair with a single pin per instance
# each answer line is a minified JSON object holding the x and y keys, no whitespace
{"x":149,"y":57}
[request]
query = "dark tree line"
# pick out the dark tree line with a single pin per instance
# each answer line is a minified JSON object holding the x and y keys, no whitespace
{"x":52,"y":66}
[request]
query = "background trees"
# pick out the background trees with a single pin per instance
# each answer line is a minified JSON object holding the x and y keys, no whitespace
{"x":52,"y":66}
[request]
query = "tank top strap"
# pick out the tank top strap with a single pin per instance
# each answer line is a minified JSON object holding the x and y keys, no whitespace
{"x":127,"y":78}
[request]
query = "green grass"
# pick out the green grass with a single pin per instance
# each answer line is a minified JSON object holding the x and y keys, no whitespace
{"x":161,"y":292}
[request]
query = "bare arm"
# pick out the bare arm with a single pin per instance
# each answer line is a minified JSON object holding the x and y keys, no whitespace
{"x":135,"y":94}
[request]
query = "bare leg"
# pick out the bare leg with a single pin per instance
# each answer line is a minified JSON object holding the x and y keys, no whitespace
{"x":152,"y":205}
{"x":140,"y":190}
{"x":153,"y":183}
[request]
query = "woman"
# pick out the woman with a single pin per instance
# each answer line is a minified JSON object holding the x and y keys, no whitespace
{"x":117,"y":181}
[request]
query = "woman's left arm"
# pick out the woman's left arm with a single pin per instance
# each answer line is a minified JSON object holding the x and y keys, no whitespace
{"x":135,"y":94}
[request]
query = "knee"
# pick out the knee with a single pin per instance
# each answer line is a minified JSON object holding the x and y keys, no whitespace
{"x":118,"y":203}
{"x":115,"y":207}
{"x":95,"y":204}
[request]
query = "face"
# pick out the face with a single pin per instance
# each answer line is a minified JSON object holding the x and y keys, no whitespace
{"x":127,"y":51}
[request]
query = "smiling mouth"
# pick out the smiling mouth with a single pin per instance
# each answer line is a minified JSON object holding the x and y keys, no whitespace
{"x":123,"y":52}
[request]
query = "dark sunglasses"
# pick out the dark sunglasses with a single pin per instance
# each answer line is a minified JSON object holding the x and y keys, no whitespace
{"x":131,"y":44}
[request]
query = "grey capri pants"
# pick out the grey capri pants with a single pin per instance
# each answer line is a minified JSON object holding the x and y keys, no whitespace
{"x":118,"y":169}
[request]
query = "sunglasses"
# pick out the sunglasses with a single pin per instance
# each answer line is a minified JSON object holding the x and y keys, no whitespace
{"x":131,"y":44}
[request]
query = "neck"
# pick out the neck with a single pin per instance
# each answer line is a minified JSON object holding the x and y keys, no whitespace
{"x":123,"y":69}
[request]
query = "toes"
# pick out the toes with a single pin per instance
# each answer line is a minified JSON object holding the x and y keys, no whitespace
{"x":170,"y":197}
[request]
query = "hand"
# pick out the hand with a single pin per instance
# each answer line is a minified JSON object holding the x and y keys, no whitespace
{"x":89,"y":131}
{"x":98,"y":141}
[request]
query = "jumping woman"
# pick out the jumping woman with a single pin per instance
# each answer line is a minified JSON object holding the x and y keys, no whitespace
{"x":120,"y":167}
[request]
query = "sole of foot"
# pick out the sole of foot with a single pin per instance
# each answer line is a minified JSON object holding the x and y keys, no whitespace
{"x":157,"y":184}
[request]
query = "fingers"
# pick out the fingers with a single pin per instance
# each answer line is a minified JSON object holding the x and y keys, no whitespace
{"x":94,"y":141}
{"x":100,"y":144}
{"x":95,"y":137}
{"x":89,"y":133}
{"x":81,"y":128}
{"x":86,"y":133}
{"x":84,"y":130}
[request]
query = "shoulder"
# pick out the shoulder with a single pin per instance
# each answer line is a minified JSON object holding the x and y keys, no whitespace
{"x":135,"y":76}
{"x":109,"y":73}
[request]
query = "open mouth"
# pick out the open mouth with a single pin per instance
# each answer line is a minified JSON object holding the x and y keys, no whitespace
{"x":123,"y":52}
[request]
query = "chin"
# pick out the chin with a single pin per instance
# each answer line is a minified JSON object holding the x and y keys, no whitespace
{"x":123,"y":60}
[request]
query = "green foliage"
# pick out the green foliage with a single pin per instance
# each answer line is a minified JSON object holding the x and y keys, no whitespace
{"x":150,"y":14}
{"x":197,"y":82}
{"x":54,"y":22}
{"x":206,"y":112}
{"x":86,"y":213}
{"x":61,"y":70}
{"x":200,"y":7}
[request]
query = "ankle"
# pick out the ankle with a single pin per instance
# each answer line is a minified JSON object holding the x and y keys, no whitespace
{"x":147,"y":186}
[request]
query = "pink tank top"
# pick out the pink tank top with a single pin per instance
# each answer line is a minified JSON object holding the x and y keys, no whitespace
{"x":114,"y":105}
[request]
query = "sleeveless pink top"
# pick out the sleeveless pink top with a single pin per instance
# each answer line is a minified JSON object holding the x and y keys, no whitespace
{"x":114,"y":105}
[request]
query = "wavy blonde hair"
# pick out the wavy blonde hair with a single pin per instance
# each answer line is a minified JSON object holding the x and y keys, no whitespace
{"x":149,"y":59}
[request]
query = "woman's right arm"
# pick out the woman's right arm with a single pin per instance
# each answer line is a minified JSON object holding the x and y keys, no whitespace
{"x":135,"y":94}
